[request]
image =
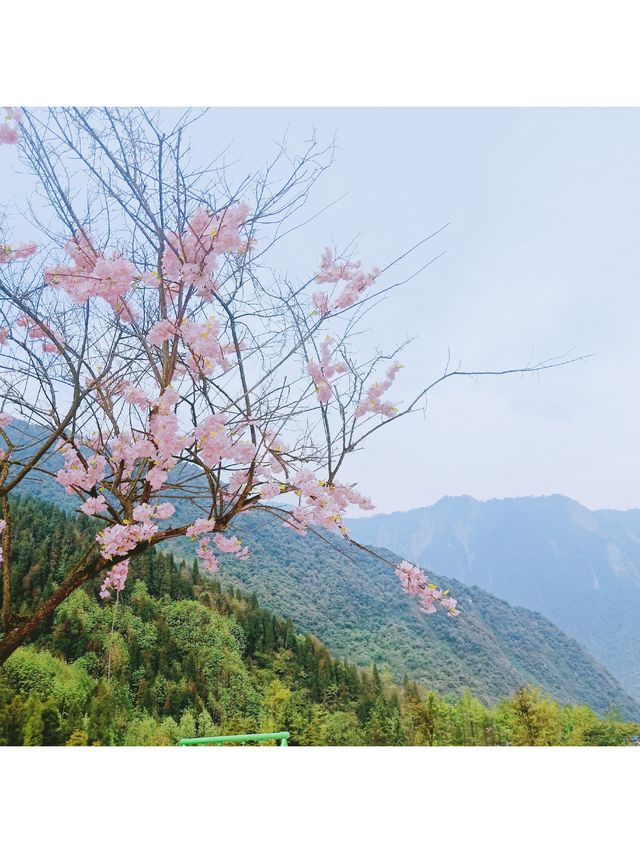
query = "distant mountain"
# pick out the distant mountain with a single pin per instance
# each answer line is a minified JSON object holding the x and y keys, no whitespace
{"x":579,"y":568}
{"x":353,"y":603}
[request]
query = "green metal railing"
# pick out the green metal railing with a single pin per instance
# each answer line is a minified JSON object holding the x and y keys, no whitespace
{"x":283,"y":737}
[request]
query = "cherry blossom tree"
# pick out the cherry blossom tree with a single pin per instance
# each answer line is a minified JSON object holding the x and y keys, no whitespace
{"x":156,"y":366}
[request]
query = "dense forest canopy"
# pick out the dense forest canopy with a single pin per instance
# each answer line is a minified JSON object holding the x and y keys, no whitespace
{"x":179,"y":656}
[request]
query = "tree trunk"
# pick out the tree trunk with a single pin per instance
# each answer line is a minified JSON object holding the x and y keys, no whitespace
{"x":89,"y":565}
{"x":16,"y":636}
{"x":6,"y":565}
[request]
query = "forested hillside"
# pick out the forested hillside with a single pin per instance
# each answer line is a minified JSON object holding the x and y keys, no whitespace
{"x":354,"y":604}
{"x":579,"y":568}
{"x":180,"y":656}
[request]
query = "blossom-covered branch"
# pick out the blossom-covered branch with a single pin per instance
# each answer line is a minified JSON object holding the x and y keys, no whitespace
{"x":151,"y":359}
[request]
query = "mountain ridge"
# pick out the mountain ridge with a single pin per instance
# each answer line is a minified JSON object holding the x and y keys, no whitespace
{"x":578,"y":567}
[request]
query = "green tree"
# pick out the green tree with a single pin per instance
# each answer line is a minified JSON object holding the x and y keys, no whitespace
{"x":537,"y":718}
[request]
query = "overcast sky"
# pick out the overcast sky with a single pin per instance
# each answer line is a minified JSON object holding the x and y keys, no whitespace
{"x":542,"y":258}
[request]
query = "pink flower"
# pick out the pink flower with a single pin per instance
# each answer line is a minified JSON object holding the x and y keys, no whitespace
{"x":323,"y":504}
{"x":213,"y":440}
{"x":415,"y":582}
{"x":206,"y":351}
{"x":349,"y":271}
{"x":207,"y":556}
{"x":144,"y":512}
{"x":93,"y":506}
{"x":128,"y":451}
{"x":120,"y":539}
{"x":161,"y":332}
{"x":18,"y":254}
{"x":78,"y":473}
{"x":4,"y":336}
{"x":324,"y":392}
{"x":5,"y":419}
{"x":8,"y":135}
{"x":324,"y":371}
{"x":147,"y":512}
{"x":230,"y":545}
{"x":116,"y":579}
{"x":53,"y":340}
{"x":94,"y":275}
{"x":372,"y":401}
{"x":270,"y":490}
{"x":321,"y":302}
{"x":200,"y":526}
{"x":134,"y":395}
{"x":163,"y":511}
{"x":156,"y":477}
{"x":191,"y":257}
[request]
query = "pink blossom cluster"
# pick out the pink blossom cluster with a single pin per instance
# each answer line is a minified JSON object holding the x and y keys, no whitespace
{"x":116,"y":579}
{"x":94,"y":506}
{"x":216,"y":442}
{"x":25,"y":250}
{"x":41,"y":331}
{"x":3,"y":524}
{"x":161,"y":332}
{"x":126,"y":450}
{"x":78,"y":473}
{"x":200,"y":526}
{"x":94,"y":274}
{"x":9,"y":127}
{"x":372,"y":401}
{"x":157,"y":447}
{"x":350,"y":272}
{"x":270,"y":490}
{"x":133,"y":394}
{"x":230,"y":545}
{"x":191,"y":257}
{"x":5,"y":419}
{"x":119,"y":539}
{"x":155,"y":512}
{"x":202,"y":338}
{"x":415,"y":582}
{"x":206,"y":352}
{"x":209,"y":559}
{"x":239,"y":479}
{"x":4,"y":335}
{"x":163,"y":429}
{"x":322,"y":372}
{"x":51,"y":346}
{"x":226,"y":545}
{"x":323,"y":504}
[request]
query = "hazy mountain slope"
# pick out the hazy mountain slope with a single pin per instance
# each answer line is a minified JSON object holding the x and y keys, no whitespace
{"x":354,"y":604}
{"x":579,"y":568}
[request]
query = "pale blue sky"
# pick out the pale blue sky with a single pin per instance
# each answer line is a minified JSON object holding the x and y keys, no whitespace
{"x":542,"y":257}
